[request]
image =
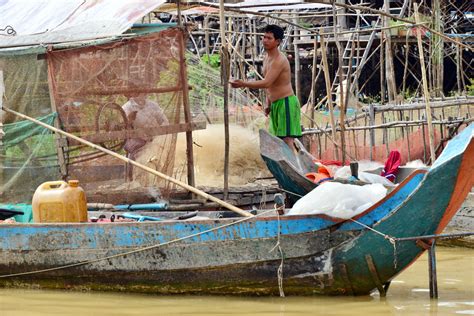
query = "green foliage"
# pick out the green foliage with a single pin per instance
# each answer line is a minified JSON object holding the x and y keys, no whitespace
{"x":205,"y":82}
{"x":470,"y":88}
{"x":214,"y":60}
{"x":371,"y":99}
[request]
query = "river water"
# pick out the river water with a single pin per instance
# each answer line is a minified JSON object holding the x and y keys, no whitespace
{"x":408,"y":295}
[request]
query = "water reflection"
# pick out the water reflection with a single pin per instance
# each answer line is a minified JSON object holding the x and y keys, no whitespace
{"x":408,"y":295}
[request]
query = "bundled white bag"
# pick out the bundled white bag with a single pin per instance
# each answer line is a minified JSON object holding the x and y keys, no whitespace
{"x":339,"y":200}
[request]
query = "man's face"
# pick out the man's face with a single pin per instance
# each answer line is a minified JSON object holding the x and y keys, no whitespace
{"x":269,"y":41}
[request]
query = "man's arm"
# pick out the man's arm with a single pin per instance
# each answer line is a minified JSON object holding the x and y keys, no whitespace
{"x":268,"y":108}
{"x":270,"y":77}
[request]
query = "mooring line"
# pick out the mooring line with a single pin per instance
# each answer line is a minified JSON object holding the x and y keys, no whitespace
{"x":280,"y":267}
{"x":391,"y":239}
{"x":293,"y":193}
{"x":77,"y":264}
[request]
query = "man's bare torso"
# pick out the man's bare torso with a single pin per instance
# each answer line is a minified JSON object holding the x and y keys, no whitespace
{"x":281,"y":87}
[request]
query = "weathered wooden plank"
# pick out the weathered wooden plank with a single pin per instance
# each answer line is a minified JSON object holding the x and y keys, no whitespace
{"x":143,"y":132}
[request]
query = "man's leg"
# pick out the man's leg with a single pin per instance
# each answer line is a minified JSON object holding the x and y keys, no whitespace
{"x":290,"y":141}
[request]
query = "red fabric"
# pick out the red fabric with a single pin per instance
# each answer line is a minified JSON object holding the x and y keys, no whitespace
{"x":391,"y":166}
{"x":331,"y":162}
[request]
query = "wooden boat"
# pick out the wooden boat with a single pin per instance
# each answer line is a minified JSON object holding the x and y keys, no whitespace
{"x":290,"y":170}
{"x":240,"y":256}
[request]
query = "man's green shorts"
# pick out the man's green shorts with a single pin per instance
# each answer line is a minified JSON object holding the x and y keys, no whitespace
{"x":285,"y":117}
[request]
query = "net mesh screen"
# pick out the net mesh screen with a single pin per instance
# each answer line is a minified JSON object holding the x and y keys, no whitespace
{"x":27,"y":153}
{"x":120,"y":96}
{"x":126,"y":96}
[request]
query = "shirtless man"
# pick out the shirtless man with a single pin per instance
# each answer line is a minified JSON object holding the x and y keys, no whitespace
{"x":282,"y":105}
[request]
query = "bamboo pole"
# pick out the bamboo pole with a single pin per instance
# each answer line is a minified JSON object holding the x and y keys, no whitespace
{"x":313,"y":79}
{"x":426,"y":92}
{"x":59,"y":141}
{"x":225,"y":82}
{"x":391,"y":85}
{"x":327,"y":80}
{"x":397,"y":18}
{"x":297,"y":62}
{"x":438,"y":48}
{"x":130,"y":161}
{"x":187,"y":112}
{"x":342,"y":108}
{"x":382,"y":70}
{"x":393,"y":124}
{"x":206,"y":38}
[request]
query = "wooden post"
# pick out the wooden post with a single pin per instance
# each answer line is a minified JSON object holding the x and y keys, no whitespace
{"x":372,"y":132}
{"x":438,"y":48}
{"x":382,"y":70}
{"x":297,"y":62}
{"x":327,"y":80}
{"x":206,"y":38}
{"x":426,"y":92}
{"x":391,"y":85}
{"x":342,"y":107}
{"x":432,"y":270}
{"x":187,"y":111}
{"x":458,"y":67}
{"x":225,"y":83}
{"x":178,"y":4}
{"x":313,"y":78}
{"x":405,"y":67}
{"x":61,"y":142}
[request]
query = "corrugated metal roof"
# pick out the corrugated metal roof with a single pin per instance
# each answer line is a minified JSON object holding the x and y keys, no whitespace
{"x":26,"y":22}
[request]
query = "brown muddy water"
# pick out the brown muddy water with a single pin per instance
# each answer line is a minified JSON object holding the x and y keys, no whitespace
{"x":408,"y":295}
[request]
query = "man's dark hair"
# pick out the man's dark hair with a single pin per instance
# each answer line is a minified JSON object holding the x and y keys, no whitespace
{"x":277,"y":31}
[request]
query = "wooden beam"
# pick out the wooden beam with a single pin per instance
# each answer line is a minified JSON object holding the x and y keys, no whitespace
{"x":143,"y":132}
{"x":126,"y":91}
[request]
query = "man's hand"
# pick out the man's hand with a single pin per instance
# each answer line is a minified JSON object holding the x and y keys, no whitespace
{"x":237,"y":83}
{"x":267,"y":111}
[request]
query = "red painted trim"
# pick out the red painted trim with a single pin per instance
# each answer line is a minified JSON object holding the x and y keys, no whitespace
{"x":463,"y":186}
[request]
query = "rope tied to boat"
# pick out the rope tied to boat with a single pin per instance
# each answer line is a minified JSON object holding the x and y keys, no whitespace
{"x":391,"y":239}
{"x":278,"y":245}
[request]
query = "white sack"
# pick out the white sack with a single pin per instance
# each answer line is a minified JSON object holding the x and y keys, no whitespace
{"x":339,"y":200}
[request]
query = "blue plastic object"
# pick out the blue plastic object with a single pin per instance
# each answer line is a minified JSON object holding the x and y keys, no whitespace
{"x":143,"y":207}
{"x":141,"y":218}
{"x":27,"y":210}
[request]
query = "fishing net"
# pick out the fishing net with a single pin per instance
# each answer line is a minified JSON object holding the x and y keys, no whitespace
{"x":126,"y":96}
{"x":27,"y":153}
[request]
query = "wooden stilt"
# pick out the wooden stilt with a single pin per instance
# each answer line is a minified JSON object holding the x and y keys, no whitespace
{"x":328,"y":92}
{"x":426,"y":92}
{"x":225,"y":83}
{"x":432,"y":270}
{"x":187,"y":113}
{"x":375,"y":275}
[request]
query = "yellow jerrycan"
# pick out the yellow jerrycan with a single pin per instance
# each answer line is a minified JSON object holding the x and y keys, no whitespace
{"x":59,"y":202}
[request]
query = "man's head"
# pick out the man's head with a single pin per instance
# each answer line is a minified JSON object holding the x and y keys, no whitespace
{"x":272,"y":37}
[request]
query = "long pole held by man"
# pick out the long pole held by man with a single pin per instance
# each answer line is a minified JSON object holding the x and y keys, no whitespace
{"x":283,"y":106}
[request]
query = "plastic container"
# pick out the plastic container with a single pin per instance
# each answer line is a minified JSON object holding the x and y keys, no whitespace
{"x":59,"y":202}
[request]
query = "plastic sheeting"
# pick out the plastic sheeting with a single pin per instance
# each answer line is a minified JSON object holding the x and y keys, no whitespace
{"x":26,"y":22}
{"x":339,"y":200}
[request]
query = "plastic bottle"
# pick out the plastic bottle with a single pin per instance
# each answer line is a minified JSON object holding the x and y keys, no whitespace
{"x":58,"y":201}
